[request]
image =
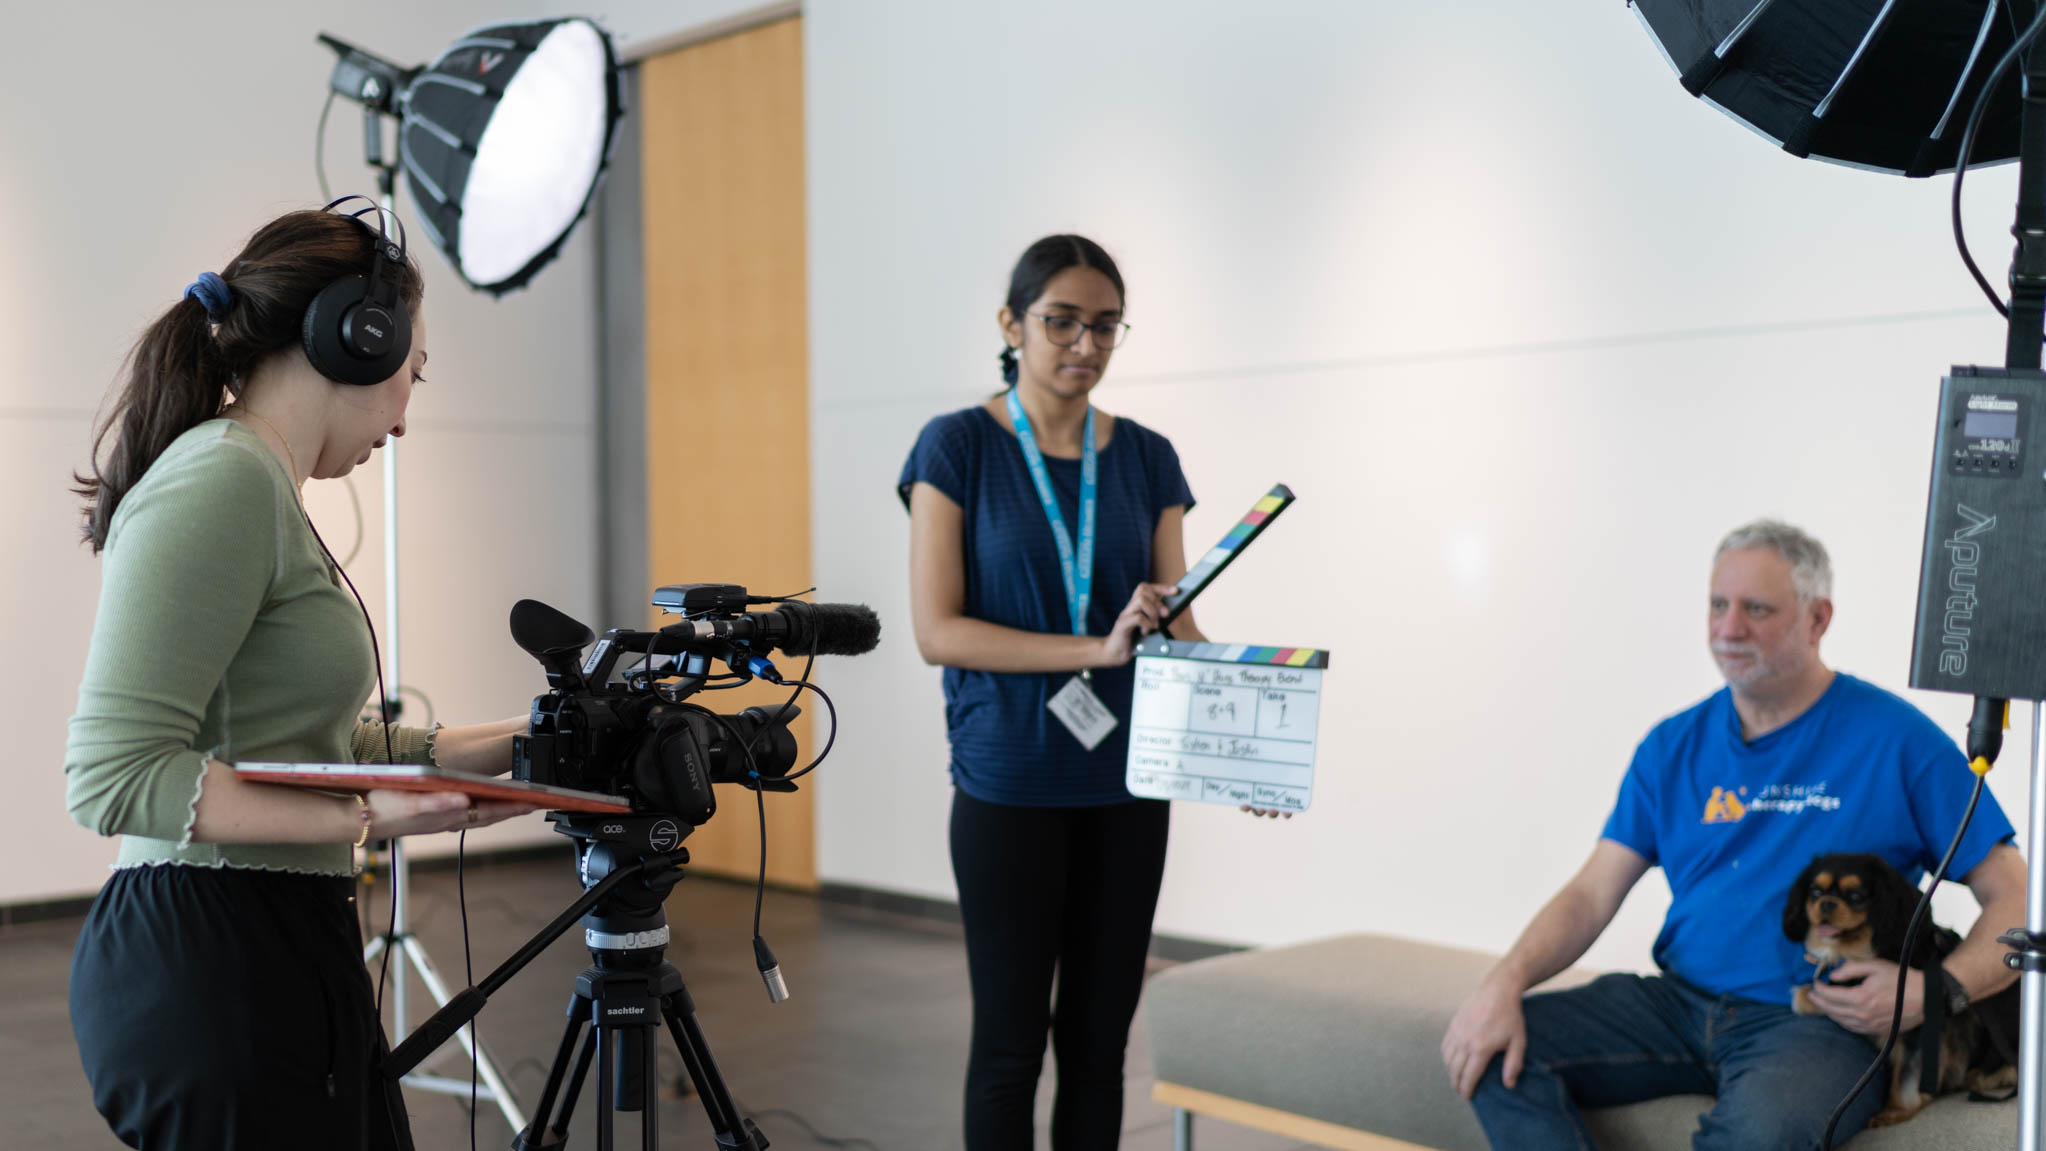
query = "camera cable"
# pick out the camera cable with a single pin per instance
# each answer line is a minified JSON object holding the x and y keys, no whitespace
{"x":815,"y":1135}
{"x":1985,"y":741}
{"x":468,"y":971}
{"x":1975,"y":114}
{"x":831,"y":710}
{"x":384,"y":710}
{"x":763,"y":955}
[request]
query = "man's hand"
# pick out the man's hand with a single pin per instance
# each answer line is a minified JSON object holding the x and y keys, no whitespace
{"x":1489,"y":1022}
{"x":1865,"y":1009}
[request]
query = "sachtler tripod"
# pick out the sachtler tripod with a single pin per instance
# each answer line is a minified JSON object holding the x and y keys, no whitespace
{"x":627,"y":864}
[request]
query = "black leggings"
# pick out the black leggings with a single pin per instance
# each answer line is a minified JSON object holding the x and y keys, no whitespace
{"x":1068,"y":890}
{"x":229,"y":1009}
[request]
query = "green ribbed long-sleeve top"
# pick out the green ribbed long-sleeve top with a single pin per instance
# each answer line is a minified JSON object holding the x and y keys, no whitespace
{"x":222,"y":631}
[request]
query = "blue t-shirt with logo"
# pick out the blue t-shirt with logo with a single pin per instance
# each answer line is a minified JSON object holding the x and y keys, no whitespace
{"x":1732,"y":823}
{"x":1006,"y":747}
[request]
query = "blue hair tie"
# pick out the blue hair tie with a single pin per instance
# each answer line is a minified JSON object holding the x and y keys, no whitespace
{"x":213,"y":294}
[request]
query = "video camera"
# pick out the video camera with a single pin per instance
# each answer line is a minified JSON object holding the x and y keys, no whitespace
{"x":627,"y":730}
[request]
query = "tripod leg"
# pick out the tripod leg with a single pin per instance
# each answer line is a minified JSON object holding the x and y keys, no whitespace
{"x":605,"y":1075}
{"x":578,"y":1007}
{"x":649,"y":1088}
{"x":731,"y":1129}
{"x":575,"y":1085}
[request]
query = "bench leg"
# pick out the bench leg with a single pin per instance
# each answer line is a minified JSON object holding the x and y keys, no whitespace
{"x":1182,"y":1129}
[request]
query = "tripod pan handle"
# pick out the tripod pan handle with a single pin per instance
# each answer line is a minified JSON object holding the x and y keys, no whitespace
{"x":434,"y":1032}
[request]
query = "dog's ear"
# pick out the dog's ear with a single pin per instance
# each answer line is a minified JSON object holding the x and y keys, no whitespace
{"x":1796,"y":924}
{"x":1891,"y":900}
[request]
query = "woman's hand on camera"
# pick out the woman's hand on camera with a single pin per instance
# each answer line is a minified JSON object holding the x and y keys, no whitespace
{"x":1145,"y":609}
{"x":395,"y":813}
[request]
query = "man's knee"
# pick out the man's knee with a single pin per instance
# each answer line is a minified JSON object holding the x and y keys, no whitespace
{"x":1532,"y":1089}
{"x":1790,"y":1122}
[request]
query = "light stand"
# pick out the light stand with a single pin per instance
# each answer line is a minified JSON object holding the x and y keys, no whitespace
{"x":376,"y":84}
{"x":2027,"y":951}
{"x":503,"y":139}
{"x":2022,"y":350}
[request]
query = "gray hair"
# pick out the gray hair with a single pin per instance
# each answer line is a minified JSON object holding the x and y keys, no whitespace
{"x":1811,"y":571}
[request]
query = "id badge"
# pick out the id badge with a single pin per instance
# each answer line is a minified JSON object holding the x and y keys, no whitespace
{"x":1083,"y":713}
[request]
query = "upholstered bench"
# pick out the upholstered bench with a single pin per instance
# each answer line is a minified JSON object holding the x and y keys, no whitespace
{"x":1336,"y":1043}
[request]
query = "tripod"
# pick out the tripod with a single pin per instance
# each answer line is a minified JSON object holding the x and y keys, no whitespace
{"x":627,"y":865}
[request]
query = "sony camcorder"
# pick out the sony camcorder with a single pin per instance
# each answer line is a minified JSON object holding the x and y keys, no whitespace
{"x":618,"y":720}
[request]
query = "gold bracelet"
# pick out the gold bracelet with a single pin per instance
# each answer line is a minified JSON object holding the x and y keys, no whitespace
{"x":363,"y":806}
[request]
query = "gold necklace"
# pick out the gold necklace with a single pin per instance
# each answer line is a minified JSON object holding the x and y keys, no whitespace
{"x":288,"y":453}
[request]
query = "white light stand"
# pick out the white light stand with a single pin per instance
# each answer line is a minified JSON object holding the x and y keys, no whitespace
{"x":2032,"y":1032}
{"x":398,"y":933}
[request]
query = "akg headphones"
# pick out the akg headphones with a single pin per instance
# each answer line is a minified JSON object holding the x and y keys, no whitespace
{"x":358,"y":330}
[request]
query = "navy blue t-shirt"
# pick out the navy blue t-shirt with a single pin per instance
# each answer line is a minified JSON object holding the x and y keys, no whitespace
{"x":1006,"y":748}
{"x":1733,"y":824}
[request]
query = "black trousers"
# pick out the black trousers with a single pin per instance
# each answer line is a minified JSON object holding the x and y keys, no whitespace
{"x":230,"y":1009}
{"x":1044,"y":891}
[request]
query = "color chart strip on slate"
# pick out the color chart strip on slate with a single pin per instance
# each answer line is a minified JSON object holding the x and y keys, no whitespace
{"x":1218,"y":557}
{"x":1158,"y":645}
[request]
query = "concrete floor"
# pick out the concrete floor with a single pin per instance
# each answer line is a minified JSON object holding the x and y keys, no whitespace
{"x":871,"y":1045}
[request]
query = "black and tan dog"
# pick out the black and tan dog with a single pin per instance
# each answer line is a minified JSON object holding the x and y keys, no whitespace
{"x":1856,"y":907}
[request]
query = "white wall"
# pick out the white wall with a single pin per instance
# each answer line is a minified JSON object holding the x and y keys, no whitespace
{"x":141,"y":143}
{"x":1525,"y":326}
{"x":640,"y":26}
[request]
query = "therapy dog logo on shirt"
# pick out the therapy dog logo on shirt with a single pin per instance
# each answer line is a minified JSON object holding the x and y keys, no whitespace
{"x":1784,"y":798}
{"x":1725,"y":806}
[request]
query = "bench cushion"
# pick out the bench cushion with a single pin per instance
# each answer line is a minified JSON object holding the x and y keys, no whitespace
{"x":1348,"y":1031}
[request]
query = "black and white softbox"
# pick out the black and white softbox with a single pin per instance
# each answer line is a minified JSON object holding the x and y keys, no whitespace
{"x":502,"y":140}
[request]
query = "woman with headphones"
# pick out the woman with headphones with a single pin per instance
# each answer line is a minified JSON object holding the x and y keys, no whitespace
{"x":217,"y":991}
{"x":1044,"y":537}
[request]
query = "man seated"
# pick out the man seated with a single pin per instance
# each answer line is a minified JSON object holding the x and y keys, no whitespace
{"x":1733,"y":798}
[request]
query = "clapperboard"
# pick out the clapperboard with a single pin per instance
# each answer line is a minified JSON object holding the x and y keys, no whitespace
{"x":1225,"y":723}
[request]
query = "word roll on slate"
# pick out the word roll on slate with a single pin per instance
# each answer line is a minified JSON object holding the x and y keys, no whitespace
{"x":1225,"y":723}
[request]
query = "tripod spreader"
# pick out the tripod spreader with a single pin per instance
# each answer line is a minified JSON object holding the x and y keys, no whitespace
{"x":663,"y":870}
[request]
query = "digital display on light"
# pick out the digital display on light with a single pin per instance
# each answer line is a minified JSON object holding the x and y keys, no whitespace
{"x":1990,"y":426}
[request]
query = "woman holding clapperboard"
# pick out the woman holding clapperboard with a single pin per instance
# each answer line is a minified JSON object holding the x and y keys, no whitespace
{"x":1032,"y":516}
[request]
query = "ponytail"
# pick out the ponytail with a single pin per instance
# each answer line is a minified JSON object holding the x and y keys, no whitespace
{"x":181,"y":371}
{"x":176,"y":380}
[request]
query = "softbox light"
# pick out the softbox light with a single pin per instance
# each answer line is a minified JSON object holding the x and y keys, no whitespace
{"x":501,"y":139}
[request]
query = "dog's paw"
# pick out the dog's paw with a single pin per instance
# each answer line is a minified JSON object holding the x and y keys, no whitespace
{"x":1891,"y":1116}
{"x":1998,"y":1084}
{"x":1801,"y":1000}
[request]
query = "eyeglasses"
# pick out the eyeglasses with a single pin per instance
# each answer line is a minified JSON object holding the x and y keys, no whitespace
{"x":1064,"y":331}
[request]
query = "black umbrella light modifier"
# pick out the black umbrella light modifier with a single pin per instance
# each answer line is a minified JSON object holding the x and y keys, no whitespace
{"x":502,"y":139}
{"x":1881,"y":84}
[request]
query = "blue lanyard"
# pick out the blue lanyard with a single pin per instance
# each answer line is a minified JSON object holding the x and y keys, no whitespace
{"x":1079,"y":572}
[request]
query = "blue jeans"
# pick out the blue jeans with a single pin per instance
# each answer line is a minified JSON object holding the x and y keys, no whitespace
{"x":1625,"y":1038}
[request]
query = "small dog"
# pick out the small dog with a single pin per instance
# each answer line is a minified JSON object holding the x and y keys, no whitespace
{"x":1848,"y":906}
